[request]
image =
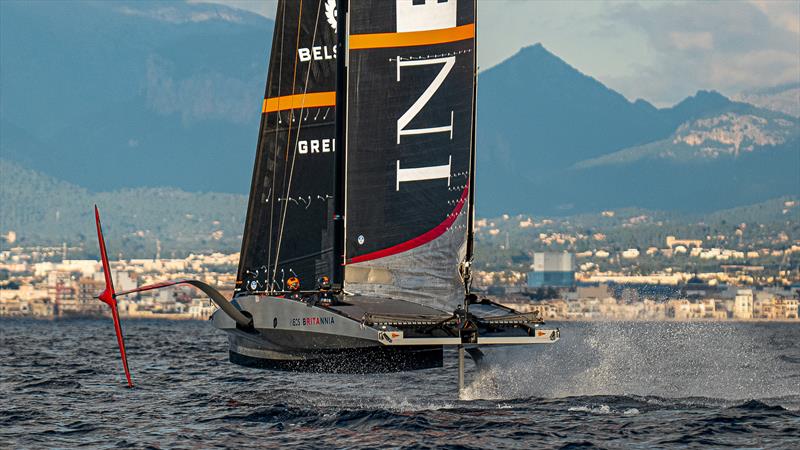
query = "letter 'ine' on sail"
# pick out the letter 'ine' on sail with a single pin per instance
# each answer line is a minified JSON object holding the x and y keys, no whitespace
{"x":409,"y":139}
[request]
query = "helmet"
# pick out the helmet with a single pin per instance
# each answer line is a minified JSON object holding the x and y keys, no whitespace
{"x":293,"y":284}
{"x":324,"y":283}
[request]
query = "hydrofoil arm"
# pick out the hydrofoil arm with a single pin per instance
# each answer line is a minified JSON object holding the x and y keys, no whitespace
{"x":109,"y":297}
{"x":212,"y":293}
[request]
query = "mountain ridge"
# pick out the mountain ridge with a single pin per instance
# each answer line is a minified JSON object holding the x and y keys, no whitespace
{"x":537,"y":166}
{"x":171,"y":96}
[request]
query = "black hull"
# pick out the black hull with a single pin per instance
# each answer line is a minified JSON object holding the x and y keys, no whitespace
{"x":356,"y":360}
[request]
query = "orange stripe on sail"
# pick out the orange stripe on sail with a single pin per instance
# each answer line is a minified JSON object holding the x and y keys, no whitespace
{"x":412,"y":38}
{"x":297,"y":101}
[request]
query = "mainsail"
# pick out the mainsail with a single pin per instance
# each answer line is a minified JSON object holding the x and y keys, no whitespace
{"x":288,"y":229}
{"x":410,"y":106}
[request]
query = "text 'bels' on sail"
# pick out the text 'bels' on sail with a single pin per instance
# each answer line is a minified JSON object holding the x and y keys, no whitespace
{"x":317,"y":53}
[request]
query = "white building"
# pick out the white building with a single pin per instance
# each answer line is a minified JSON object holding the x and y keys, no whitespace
{"x":123,"y":281}
{"x":201,"y":308}
{"x":743,"y":305}
{"x":631,"y":253}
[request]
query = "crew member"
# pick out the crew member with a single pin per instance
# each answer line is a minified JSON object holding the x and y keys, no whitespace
{"x":293,"y":284}
{"x":325,"y":296}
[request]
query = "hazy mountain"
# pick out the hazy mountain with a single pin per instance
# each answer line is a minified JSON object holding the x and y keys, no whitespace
{"x":537,"y":113}
{"x":126,"y":94}
{"x":784,"y":98}
{"x":113,"y":95}
{"x":553,"y":140}
{"x":728,"y":135}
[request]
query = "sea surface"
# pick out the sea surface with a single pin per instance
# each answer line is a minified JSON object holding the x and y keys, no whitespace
{"x":606,"y":385}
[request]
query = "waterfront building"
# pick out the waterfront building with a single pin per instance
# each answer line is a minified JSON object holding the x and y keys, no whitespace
{"x":743,"y":304}
{"x":773,"y":307}
{"x":787,"y":308}
{"x":123,"y":280}
{"x":201,"y":309}
{"x":552,"y":269}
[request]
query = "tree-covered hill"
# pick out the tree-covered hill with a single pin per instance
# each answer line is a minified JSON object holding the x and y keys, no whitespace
{"x":44,"y":211}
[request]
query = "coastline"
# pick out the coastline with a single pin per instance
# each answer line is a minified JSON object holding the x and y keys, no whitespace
{"x":187,"y":317}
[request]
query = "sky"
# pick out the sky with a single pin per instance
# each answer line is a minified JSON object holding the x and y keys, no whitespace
{"x":662,"y":51}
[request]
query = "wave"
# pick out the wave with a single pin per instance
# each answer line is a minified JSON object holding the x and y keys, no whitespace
{"x":626,"y":385}
{"x":790,"y":359}
{"x":755,"y":405}
{"x":671,"y":360}
{"x":51,"y":384}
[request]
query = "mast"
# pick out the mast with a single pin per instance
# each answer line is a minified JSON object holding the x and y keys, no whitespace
{"x":337,"y":278}
{"x":467,"y":270}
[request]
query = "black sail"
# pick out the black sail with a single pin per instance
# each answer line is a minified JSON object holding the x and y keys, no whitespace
{"x":288,"y":229}
{"x":409,"y":113}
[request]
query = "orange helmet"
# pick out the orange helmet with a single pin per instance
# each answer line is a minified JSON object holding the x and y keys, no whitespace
{"x":293,"y":284}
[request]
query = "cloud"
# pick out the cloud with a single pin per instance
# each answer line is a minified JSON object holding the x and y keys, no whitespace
{"x":177,"y":15}
{"x":783,"y":13}
{"x":730,"y":46}
{"x":687,"y":40}
{"x":266,"y":8}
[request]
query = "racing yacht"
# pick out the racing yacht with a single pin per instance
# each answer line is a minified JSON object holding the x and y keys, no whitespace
{"x":364,"y":175}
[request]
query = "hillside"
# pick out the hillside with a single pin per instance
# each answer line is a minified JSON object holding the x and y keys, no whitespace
{"x":509,"y":241}
{"x":42,"y":210}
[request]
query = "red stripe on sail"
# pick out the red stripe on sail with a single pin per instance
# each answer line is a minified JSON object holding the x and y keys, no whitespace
{"x":419,"y":240}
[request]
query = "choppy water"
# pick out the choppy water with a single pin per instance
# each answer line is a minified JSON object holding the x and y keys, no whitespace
{"x":618,"y":385}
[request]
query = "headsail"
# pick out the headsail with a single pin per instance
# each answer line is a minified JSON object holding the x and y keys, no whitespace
{"x":410,"y":106}
{"x":288,"y":229}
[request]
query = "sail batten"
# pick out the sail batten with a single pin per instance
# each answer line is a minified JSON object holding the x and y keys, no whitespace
{"x":412,"y":38}
{"x":299,"y":101}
